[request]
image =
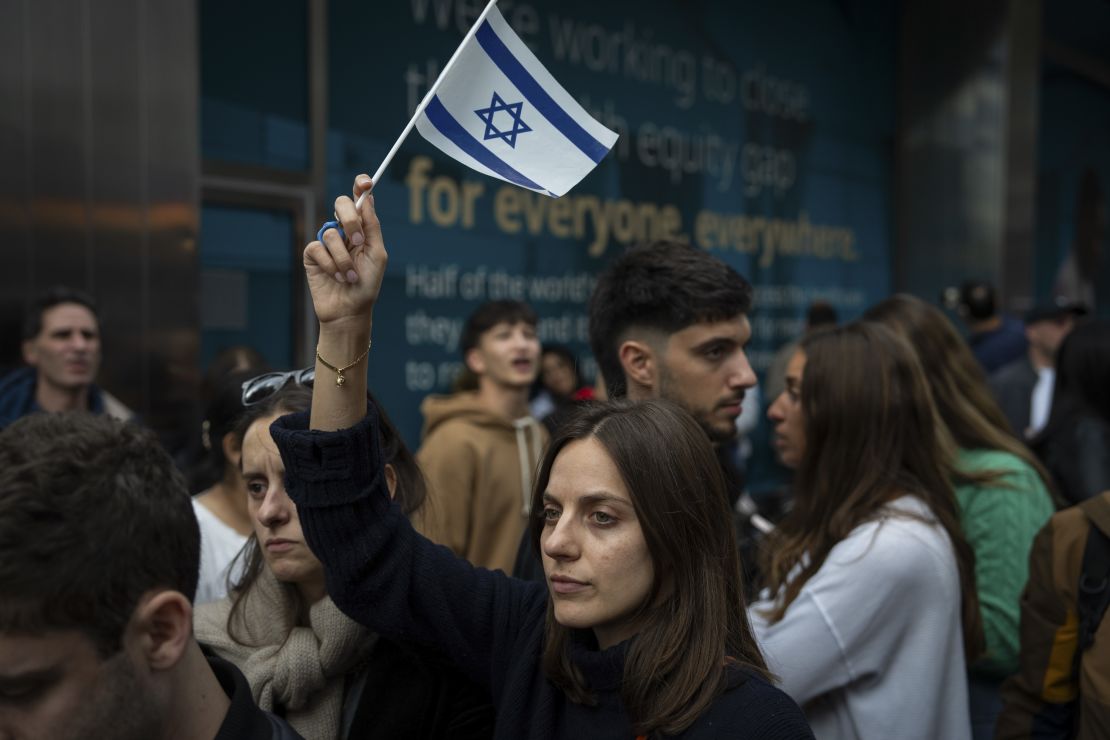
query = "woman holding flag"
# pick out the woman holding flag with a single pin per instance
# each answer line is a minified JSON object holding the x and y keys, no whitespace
{"x":640,"y":629}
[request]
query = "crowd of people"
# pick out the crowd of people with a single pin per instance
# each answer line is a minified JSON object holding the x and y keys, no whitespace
{"x":564,"y":561}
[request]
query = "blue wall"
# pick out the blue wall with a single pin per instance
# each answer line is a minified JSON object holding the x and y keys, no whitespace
{"x":762,"y":133}
{"x":254,"y":82}
{"x":765,"y":133}
{"x":246,"y":281}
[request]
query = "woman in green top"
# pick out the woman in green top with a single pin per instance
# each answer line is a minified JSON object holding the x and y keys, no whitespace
{"x":1002,"y":490}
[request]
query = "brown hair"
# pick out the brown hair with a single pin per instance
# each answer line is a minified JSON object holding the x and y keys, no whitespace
{"x":957,"y":382}
{"x":662,"y":286}
{"x":93,"y":514}
{"x":872,"y":435}
{"x":410,"y":495}
{"x":695,"y":616}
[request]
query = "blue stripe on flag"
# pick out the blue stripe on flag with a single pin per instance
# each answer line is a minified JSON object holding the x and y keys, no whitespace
{"x":442,"y":119}
{"x":536,"y":95}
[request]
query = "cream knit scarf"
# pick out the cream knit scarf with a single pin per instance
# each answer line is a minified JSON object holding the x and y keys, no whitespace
{"x":304,"y":672}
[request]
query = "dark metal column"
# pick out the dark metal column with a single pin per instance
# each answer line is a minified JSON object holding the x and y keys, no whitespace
{"x":99,"y":184}
{"x":966,"y":146}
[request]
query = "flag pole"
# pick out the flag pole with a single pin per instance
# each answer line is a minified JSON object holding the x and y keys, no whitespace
{"x":427,"y":99}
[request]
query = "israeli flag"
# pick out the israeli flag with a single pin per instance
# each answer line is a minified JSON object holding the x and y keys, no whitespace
{"x":498,"y":111}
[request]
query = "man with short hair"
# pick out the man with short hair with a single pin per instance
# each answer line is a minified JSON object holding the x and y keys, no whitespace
{"x":99,"y":554}
{"x":61,"y":346}
{"x":996,"y":339}
{"x":670,"y":321}
{"x":481,"y":447}
{"x":1024,"y":387}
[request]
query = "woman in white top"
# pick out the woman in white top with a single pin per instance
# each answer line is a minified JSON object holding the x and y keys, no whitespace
{"x":870,"y":611}
{"x":221,"y":509}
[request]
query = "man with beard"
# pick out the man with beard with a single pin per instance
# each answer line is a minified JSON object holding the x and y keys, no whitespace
{"x":99,"y":555}
{"x":670,"y":321}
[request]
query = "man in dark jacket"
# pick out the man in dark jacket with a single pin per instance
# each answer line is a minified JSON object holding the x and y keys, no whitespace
{"x":61,"y":347}
{"x":1024,"y":387}
{"x":99,"y":557}
{"x":996,"y":339}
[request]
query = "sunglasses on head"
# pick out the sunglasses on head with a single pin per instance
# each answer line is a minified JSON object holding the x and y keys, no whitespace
{"x":262,"y":387}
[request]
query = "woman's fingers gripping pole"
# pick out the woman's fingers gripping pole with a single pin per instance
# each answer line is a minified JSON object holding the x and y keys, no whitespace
{"x":342,"y":253}
{"x":317,"y":260}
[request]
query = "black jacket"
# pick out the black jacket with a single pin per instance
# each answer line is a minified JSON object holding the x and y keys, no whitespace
{"x":381,"y":573}
{"x":413,"y":694}
{"x":1077,"y":453}
{"x":244,"y":720}
{"x":1013,"y":387}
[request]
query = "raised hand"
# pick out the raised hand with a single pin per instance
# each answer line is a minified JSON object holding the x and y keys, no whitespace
{"x":345,"y":277}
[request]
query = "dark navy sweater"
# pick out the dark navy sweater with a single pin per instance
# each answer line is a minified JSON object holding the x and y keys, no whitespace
{"x":383,"y":574}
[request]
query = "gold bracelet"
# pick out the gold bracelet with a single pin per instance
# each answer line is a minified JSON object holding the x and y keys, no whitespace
{"x":340,"y":381}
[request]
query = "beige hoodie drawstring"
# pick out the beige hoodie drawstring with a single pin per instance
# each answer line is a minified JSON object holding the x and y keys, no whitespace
{"x":528,"y":456}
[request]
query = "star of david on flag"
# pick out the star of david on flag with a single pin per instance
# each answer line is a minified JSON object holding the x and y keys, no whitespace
{"x":498,"y":111}
{"x":492,"y":132}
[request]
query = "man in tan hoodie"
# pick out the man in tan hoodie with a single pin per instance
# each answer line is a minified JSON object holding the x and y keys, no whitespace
{"x":481,"y":448}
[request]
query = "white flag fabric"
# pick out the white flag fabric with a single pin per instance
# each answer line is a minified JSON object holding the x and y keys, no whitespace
{"x":498,"y":111}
